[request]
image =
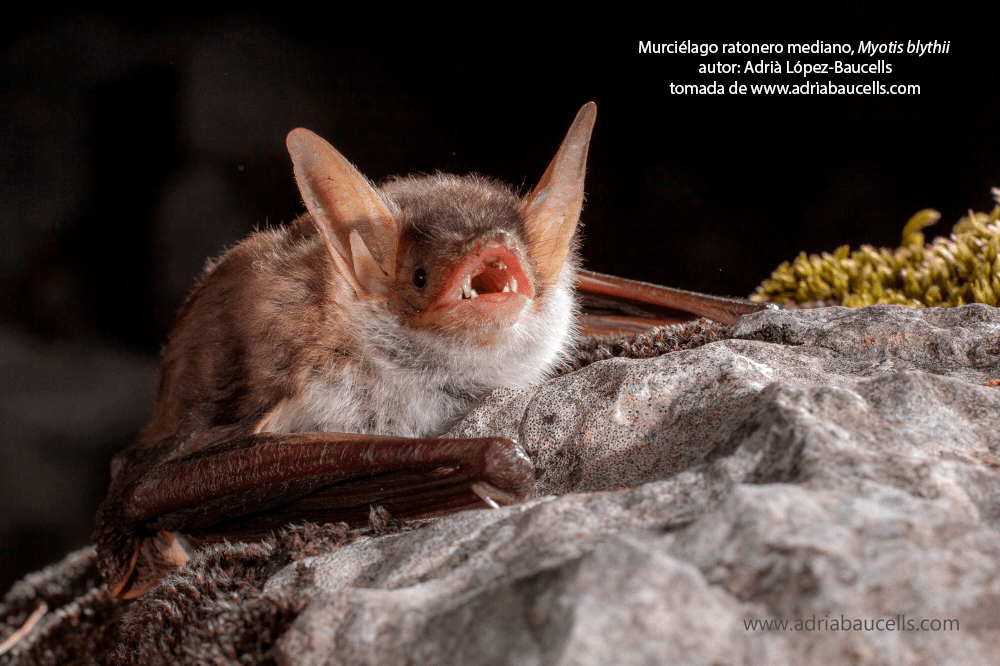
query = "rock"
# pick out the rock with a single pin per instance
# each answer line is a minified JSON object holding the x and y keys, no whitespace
{"x":822,"y":487}
{"x":831,"y":467}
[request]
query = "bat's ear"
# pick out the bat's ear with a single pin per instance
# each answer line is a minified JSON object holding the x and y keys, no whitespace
{"x":553,"y":208}
{"x":356,"y":224}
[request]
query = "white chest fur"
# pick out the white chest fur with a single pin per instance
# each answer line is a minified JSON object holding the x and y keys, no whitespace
{"x":415,"y":383}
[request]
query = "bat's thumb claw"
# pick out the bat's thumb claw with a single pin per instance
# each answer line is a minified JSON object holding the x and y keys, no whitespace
{"x":493,"y":496}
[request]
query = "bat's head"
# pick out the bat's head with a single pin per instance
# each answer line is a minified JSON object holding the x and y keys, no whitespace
{"x":462,"y":255}
{"x":463,"y":260}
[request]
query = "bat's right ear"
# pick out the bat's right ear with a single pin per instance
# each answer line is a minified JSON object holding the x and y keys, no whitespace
{"x":357,"y":226}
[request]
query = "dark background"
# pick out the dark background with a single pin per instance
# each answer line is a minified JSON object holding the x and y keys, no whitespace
{"x":132,"y":148}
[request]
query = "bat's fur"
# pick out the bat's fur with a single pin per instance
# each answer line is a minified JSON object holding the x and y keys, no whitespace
{"x":273,"y":338}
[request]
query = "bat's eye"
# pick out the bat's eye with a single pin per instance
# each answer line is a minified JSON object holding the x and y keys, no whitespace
{"x":419,"y":278}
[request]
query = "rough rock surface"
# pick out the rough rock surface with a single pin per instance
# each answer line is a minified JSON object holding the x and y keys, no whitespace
{"x":832,"y":464}
{"x":826,"y":467}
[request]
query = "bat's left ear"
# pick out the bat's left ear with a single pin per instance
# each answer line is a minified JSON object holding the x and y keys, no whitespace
{"x":357,"y":226}
{"x":553,"y":208}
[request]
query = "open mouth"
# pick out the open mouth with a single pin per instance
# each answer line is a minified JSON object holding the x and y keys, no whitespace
{"x":487,"y":280}
{"x":494,"y":274}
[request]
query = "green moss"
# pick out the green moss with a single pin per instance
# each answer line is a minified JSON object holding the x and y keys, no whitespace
{"x":963,"y":268}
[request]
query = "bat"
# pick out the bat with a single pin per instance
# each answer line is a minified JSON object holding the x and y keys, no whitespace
{"x":313,"y":367}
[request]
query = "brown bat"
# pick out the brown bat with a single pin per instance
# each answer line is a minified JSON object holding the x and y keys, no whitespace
{"x":312,"y":367}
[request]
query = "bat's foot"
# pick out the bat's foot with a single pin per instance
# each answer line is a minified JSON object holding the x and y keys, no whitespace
{"x":155,"y":556}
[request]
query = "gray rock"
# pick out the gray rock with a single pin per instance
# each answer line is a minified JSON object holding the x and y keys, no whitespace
{"x":825,"y":467}
{"x":820,"y":488}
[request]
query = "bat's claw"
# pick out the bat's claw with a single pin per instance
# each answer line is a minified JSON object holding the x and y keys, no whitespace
{"x":493,"y":496}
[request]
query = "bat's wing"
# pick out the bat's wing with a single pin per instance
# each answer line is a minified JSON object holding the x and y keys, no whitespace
{"x":618,"y":306}
{"x":246,"y":487}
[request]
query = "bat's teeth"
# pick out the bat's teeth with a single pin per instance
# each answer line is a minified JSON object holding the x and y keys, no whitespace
{"x":474,"y":294}
{"x":506,"y":288}
{"x":513,"y":284}
{"x":467,"y":287}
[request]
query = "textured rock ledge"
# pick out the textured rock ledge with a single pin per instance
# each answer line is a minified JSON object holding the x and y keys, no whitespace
{"x":828,"y":465}
{"x":837,"y":464}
